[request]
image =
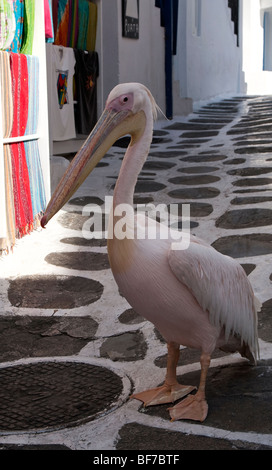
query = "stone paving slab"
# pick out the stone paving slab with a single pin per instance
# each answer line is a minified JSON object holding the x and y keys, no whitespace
{"x":59,"y":302}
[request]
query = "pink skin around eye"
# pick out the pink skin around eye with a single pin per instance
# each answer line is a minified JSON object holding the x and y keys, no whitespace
{"x":122,"y":103}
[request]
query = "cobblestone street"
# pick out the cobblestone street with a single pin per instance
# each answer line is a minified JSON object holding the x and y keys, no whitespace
{"x":71,"y":348}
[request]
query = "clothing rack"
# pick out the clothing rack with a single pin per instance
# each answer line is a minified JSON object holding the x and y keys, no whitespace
{"x":40,"y":136}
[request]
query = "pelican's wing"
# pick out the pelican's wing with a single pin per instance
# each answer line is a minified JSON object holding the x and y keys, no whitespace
{"x":220,"y":285}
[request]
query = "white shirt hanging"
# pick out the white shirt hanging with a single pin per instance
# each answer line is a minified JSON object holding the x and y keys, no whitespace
{"x":63,"y":67}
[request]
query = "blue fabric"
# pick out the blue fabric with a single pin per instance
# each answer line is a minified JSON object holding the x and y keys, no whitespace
{"x":19,"y":11}
{"x":35,"y":178}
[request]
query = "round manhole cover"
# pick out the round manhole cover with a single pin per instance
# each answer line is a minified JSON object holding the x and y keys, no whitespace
{"x":55,"y":394}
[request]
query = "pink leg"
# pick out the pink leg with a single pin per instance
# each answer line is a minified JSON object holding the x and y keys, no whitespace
{"x":171,"y":390}
{"x":195,"y":406}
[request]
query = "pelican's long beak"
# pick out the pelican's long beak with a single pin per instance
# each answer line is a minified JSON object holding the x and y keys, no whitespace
{"x":110,"y":127}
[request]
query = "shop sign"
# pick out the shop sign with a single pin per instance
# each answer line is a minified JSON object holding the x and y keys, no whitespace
{"x":130,"y":19}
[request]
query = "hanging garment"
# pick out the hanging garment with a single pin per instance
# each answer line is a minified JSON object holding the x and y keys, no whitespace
{"x":28,"y":31}
{"x":63,"y":13}
{"x":33,"y":95}
{"x":36,"y":181}
{"x":7,"y":23}
{"x":86,"y":73}
{"x":19,"y":11}
{"x":8,"y":242}
{"x":63,"y":68}
{"x":6,"y":94}
{"x":73,"y":28}
{"x":48,"y":22}
{"x":75,"y":23}
{"x":83,"y":21}
{"x":19,"y":80}
{"x":92,"y":27}
{"x":21,"y":190}
{"x":55,"y":8}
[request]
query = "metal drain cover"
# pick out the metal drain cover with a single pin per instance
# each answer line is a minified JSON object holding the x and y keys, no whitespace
{"x":55,"y":394}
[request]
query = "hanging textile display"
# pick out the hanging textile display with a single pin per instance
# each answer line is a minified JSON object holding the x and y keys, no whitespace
{"x":63,"y":66}
{"x":61,"y":15}
{"x":28,"y":32}
{"x":19,"y":80}
{"x":22,"y":193}
{"x":19,"y":10}
{"x":86,"y":74}
{"x":7,"y":23}
{"x":21,"y":190}
{"x":6,"y":94}
{"x":75,"y":23}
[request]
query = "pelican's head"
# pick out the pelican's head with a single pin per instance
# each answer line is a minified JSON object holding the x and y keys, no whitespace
{"x":127,"y":109}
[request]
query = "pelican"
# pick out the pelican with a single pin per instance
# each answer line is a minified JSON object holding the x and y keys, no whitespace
{"x":195,"y":297}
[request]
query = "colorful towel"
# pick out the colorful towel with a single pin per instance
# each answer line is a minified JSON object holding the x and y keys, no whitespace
{"x":19,"y":11}
{"x":28,"y":32}
{"x":7,"y":23}
{"x":19,"y":80}
{"x":6,"y":94}
{"x":21,"y":190}
{"x":33,"y":95}
{"x":36,"y":181}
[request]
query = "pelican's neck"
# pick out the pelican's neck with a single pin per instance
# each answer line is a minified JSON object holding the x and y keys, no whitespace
{"x":132,"y":164}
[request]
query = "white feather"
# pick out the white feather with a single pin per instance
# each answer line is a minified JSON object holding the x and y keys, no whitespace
{"x":221,"y":287}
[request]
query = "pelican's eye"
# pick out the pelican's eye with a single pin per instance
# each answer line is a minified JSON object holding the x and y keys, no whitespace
{"x":121,"y":103}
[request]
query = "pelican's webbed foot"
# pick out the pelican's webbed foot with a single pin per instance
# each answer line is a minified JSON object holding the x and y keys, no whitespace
{"x":164,"y":394}
{"x":193,"y":407}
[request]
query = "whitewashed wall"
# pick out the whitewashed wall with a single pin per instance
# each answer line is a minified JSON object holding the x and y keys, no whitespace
{"x":130,"y":60}
{"x":208,"y":62}
{"x":142,"y":60}
{"x":258,"y":81}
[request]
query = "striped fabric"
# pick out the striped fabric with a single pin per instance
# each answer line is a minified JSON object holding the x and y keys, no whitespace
{"x":8,"y":241}
{"x":23,"y":193}
{"x":75,"y":24}
{"x":21,"y":190}
{"x":6,"y":94}
{"x":7,"y":23}
{"x":7,"y":217}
